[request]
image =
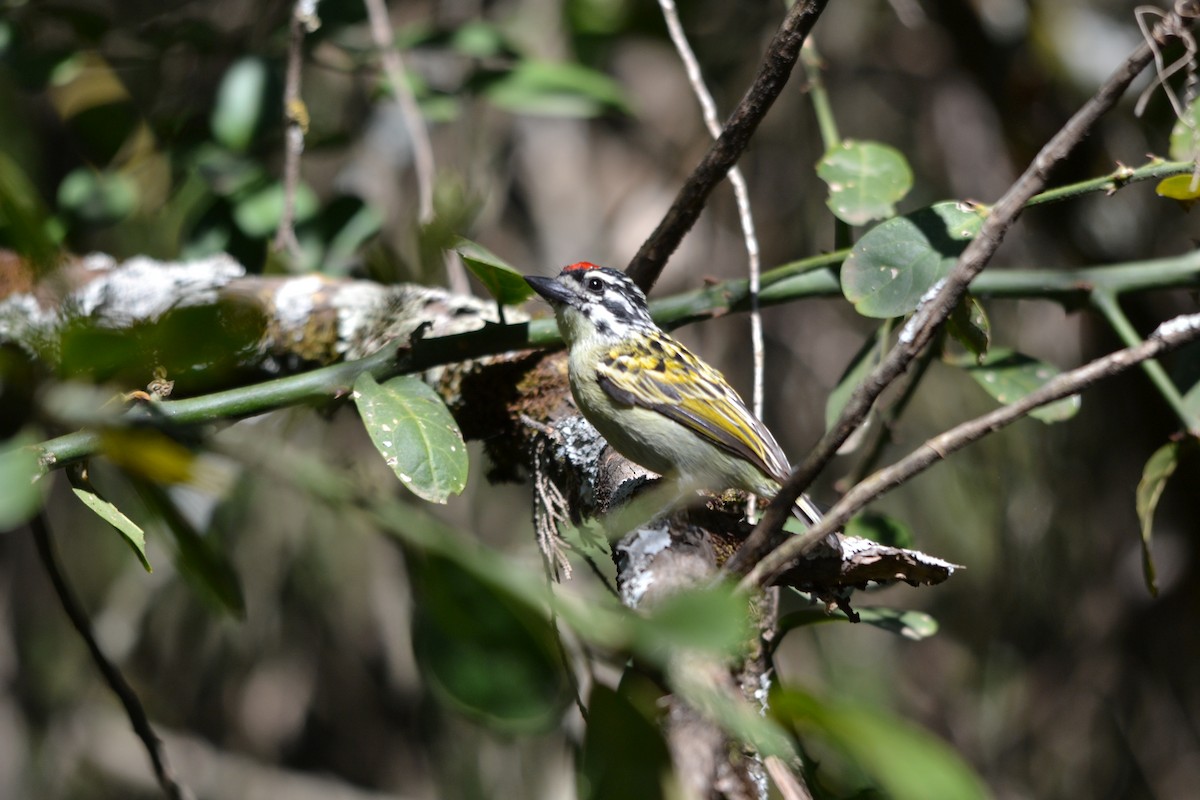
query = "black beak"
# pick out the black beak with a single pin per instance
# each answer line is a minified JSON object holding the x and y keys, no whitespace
{"x":554,"y":292}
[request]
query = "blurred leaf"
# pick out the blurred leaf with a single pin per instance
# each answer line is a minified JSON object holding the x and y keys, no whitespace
{"x":913,"y":625}
{"x":558,"y":90}
{"x":356,"y":222}
{"x":895,"y":263}
{"x":1184,"y":188}
{"x":133,"y":534}
{"x":483,"y":652}
{"x":99,"y":198}
{"x":865,"y":360}
{"x":206,"y":567}
{"x":24,"y":221}
{"x":1008,"y":376}
{"x":240,"y":104}
{"x":712,"y":620}
{"x":479,"y":39}
{"x":225,"y":172}
{"x":905,"y":762}
{"x":1185,"y":135}
{"x":717,"y":701}
{"x":21,"y":496}
{"x":502,"y":281}
{"x":865,"y":180}
{"x":415,"y":434}
{"x":1155,"y":474}
{"x":624,"y":756}
{"x":259,"y":213}
{"x":969,"y":325}
{"x":880,"y":528}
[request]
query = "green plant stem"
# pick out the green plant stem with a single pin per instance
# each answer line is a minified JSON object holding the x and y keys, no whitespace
{"x":827,"y":125}
{"x":1106,"y":303}
{"x":1122,"y":175}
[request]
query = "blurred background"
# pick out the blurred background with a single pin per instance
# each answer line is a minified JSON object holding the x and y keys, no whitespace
{"x":561,"y":132}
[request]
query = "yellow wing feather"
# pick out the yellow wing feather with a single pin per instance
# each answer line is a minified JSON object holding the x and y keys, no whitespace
{"x":660,"y":374}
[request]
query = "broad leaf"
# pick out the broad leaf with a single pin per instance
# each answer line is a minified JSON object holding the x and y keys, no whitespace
{"x":969,"y":325}
{"x":560,"y":90}
{"x":1158,"y":470}
{"x":1185,"y":135}
{"x":905,"y":762}
{"x":865,"y":180}
{"x":415,"y":434}
{"x":130,"y":530}
{"x":240,"y":104}
{"x":880,"y":528}
{"x":624,"y":756}
{"x":910,"y":624}
{"x":484,"y":652}
{"x":895,"y":263}
{"x":1009,"y":376}
{"x":502,"y":281}
{"x":713,"y":620}
{"x":258,"y":214}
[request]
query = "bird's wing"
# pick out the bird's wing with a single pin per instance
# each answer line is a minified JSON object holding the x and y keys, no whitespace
{"x":663,"y":376}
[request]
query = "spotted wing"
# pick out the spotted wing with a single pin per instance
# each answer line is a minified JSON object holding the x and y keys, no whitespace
{"x":662,"y":375}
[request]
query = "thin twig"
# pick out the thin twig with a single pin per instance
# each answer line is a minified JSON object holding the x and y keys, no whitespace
{"x":773,"y":74}
{"x":112,"y":676}
{"x":295,"y":114}
{"x":1168,"y":336}
{"x":708,"y":108}
{"x":931,"y":315}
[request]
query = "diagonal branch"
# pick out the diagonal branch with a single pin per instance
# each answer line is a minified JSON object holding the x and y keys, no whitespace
{"x":930,"y":316}
{"x":1168,"y":336}
{"x":772,"y":75}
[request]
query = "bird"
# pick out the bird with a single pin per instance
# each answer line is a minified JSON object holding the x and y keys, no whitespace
{"x":652,"y":399}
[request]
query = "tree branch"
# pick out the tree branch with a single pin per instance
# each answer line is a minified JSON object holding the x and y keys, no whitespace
{"x":773,"y":74}
{"x":1168,"y":336}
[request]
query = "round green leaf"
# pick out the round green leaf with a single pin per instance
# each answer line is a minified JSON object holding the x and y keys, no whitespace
{"x":1009,"y":376}
{"x":1185,"y":135}
{"x":415,"y":434}
{"x":865,"y":180}
{"x":1184,"y":188}
{"x":98,"y":197}
{"x":258,"y":214}
{"x":502,"y":281}
{"x":241,"y":100}
{"x":483,"y":652}
{"x":895,"y":263}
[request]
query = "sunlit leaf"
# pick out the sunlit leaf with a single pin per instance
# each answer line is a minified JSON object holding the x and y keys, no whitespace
{"x":130,"y":530}
{"x":415,"y":434}
{"x":1155,"y":474}
{"x":910,"y":624}
{"x":624,"y":756}
{"x":1008,"y":376}
{"x":98,"y":197}
{"x":969,"y":325}
{"x":905,"y":762}
{"x":865,"y":180}
{"x":483,"y":652}
{"x":21,"y":496}
{"x":895,"y":263}
{"x":502,"y":281}
{"x":240,"y":104}
{"x":1185,"y":135}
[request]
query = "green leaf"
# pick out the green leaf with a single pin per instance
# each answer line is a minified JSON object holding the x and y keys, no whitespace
{"x":502,"y":281}
{"x":24,"y":221}
{"x":905,"y":762}
{"x":865,"y":360}
{"x":1158,"y":470}
{"x":415,"y":434}
{"x":712,"y":620}
{"x":865,"y":180}
{"x":624,"y":756}
{"x":1185,"y":135}
{"x":240,"y":104}
{"x":895,"y":263}
{"x":1008,"y":376}
{"x":914,"y":625}
{"x":21,"y":496}
{"x":483,"y":652}
{"x":729,"y":709}
{"x":1184,"y":188}
{"x":880,"y":528}
{"x":969,"y":325}
{"x":558,"y":90}
{"x":258,"y":214}
{"x":129,"y":529}
{"x":100,"y":198}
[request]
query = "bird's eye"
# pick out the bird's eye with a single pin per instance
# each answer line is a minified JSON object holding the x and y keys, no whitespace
{"x":595,"y":284}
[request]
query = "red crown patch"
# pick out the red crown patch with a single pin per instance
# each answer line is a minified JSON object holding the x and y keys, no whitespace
{"x":580,"y":266}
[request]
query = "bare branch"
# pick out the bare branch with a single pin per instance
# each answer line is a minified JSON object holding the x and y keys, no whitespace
{"x":773,"y":74}
{"x":1168,"y":336}
{"x":112,"y":676}
{"x":295,"y":114}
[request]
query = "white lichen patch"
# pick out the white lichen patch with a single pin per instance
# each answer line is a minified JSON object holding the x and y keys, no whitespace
{"x":294,"y":302}
{"x":143,"y":289}
{"x":1178,"y":325}
{"x":640,"y":548}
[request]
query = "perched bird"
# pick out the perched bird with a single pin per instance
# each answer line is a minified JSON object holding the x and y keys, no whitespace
{"x":655,"y":402}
